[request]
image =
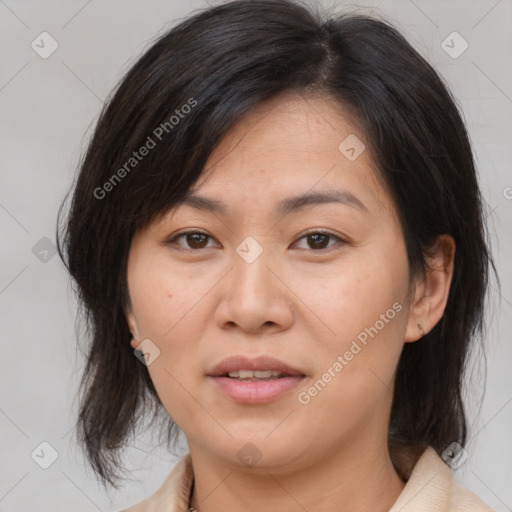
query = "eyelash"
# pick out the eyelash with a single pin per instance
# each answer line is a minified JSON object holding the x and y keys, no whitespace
{"x":310,"y":233}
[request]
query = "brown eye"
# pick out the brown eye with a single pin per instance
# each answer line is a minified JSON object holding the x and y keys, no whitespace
{"x":194,"y":240}
{"x":319,"y":240}
{"x":315,"y":240}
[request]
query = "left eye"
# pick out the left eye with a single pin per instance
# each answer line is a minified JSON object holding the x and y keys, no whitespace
{"x":317,"y":240}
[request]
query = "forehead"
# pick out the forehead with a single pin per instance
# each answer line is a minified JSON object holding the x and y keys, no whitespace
{"x":292,"y":144}
{"x":289,"y":126}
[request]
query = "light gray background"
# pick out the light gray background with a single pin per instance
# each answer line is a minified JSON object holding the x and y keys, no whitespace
{"x":48,"y":108}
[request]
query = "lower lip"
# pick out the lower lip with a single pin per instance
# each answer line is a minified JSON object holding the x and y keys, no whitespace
{"x":247,"y":392}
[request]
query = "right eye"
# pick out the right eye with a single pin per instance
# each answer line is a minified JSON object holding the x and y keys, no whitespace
{"x":195,"y":239}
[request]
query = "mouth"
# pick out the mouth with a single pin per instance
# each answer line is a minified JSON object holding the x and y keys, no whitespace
{"x":255,"y":381}
{"x":261,"y":367}
{"x":255,"y":375}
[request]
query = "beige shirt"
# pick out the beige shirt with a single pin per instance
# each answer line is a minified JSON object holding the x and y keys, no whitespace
{"x":430,"y":487}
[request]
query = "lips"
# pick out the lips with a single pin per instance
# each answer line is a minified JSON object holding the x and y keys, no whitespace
{"x":250,"y":382}
{"x":261,"y":363}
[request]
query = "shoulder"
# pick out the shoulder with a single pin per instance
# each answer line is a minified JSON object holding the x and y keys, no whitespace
{"x":430,"y":486}
{"x":463,"y":500}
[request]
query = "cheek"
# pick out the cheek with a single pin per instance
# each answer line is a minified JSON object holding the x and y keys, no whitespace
{"x":355,"y":300}
{"x":166,"y":306}
{"x":357,"y":364}
{"x":162,"y":297}
{"x":365,"y":310}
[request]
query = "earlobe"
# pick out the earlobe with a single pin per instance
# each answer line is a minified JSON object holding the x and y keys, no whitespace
{"x":431,"y":294}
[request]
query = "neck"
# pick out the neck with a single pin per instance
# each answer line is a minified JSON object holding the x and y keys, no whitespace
{"x":354,"y":478}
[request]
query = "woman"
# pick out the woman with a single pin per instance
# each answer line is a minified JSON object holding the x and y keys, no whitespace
{"x":277,"y":237}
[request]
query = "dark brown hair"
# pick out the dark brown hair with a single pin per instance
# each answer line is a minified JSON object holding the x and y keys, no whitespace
{"x":222,"y":62}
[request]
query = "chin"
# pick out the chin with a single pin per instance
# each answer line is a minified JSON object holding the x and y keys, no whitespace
{"x":259,"y":451}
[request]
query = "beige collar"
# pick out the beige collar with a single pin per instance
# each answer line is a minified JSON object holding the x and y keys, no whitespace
{"x":430,"y":487}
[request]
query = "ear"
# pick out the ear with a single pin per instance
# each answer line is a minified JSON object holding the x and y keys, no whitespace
{"x":431,"y":292}
{"x":132,"y":324}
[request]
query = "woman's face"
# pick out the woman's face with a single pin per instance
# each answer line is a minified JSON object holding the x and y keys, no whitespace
{"x":259,"y":279}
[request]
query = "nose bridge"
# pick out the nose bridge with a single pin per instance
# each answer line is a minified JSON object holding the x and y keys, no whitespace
{"x":253,"y":296}
{"x":251,"y":261}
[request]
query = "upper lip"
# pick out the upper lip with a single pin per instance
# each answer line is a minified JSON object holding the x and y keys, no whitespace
{"x":240,"y":362}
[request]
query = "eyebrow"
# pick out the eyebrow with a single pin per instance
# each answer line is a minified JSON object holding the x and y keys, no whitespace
{"x":283,"y":207}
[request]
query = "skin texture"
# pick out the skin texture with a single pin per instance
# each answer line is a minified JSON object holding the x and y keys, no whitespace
{"x":302,"y":300}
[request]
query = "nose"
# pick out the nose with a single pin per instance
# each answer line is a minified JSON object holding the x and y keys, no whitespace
{"x":254,"y":296}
